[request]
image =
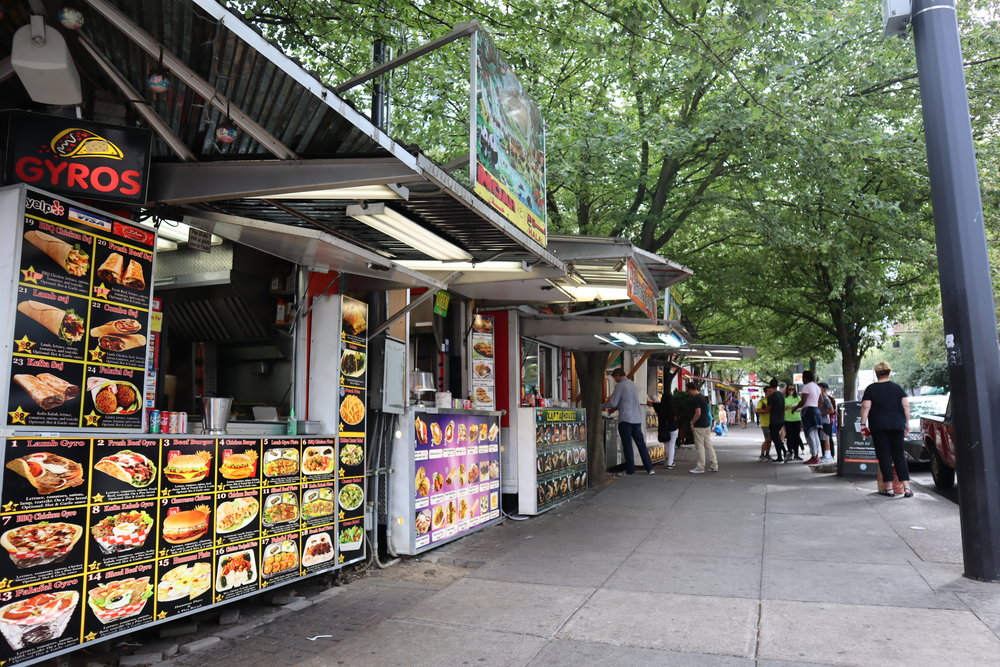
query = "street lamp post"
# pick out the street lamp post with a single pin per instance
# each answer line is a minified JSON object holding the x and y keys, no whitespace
{"x":970,"y":325}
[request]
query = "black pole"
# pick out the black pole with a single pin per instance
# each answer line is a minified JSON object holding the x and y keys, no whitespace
{"x":970,"y":325}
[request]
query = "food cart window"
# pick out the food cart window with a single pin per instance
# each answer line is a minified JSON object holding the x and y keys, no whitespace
{"x":538,"y":369}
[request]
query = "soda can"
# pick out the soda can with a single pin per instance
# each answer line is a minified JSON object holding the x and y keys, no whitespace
{"x":154,"y":421}
{"x":164,"y":421}
{"x":175,"y":422}
{"x":182,"y":421}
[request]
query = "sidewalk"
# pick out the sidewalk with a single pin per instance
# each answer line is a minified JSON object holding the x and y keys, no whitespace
{"x":759,"y":564}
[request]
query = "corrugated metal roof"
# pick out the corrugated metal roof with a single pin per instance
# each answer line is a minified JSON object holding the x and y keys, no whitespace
{"x":275,"y":93}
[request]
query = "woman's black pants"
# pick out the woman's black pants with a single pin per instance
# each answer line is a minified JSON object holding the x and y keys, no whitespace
{"x":889,"y":450}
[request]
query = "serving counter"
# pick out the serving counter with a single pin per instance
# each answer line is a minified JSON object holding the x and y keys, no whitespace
{"x":445,"y":481}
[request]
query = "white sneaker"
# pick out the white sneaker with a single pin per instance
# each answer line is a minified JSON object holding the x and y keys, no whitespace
{"x":696,"y":471}
{"x":827,"y":459}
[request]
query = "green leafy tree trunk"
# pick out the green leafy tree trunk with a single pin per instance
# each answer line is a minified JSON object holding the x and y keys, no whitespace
{"x":590,"y":371}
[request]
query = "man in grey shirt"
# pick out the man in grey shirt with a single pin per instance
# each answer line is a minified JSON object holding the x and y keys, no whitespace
{"x":625,"y":399}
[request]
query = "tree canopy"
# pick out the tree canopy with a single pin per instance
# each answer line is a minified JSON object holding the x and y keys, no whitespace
{"x":774,"y":147}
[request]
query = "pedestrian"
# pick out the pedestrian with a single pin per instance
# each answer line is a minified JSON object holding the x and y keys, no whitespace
{"x":666,"y":425}
{"x":812,"y":422}
{"x":793,"y":423}
{"x":776,"y":408}
{"x":828,"y":413}
{"x":701,"y":427}
{"x":723,"y":420}
{"x":885,"y":416}
{"x":763,"y":415}
{"x":732,"y":406}
{"x":744,"y":411}
{"x":625,"y":399}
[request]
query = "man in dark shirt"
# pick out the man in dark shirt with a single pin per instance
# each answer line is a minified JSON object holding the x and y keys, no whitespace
{"x":701,"y":428}
{"x":776,"y":404}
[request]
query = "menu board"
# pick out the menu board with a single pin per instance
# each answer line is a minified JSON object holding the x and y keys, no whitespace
{"x":81,"y":322}
{"x":104,"y":535}
{"x":483,"y":364}
{"x":657,"y":450}
{"x":456,"y":483}
{"x":560,"y":455}
{"x":349,"y":465}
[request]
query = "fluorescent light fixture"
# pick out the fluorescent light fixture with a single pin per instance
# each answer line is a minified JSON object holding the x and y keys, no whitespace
{"x":671,"y":339}
{"x":591,"y":292}
{"x":625,"y":338}
{"x":177,"y":232}
{"x":401,"y":228}
{"x":606,"y":340}
{"x":353,"y":193}
{"x":491,"y":267}
{"x":163,"y":245}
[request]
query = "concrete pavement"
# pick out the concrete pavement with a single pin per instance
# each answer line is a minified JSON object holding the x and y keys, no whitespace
{"x":758,"y":564}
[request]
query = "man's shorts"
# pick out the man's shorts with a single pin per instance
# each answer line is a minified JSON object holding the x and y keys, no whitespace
{"x":766,"y":430}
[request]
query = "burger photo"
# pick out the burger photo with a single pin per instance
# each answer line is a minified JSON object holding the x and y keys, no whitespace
{"x":187,"y":468}
{"x":184,"y":527}
{"x":239,"y":466}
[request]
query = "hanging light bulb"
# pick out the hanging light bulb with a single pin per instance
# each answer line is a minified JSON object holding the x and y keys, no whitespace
{"x":158,"y":81}
{"x":71,"y":18}
{"x":227,"y":132}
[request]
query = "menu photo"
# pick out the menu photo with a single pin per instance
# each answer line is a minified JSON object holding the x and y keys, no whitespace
{"x":119,"y":600}
{"x":188,"y":466}
{"x":319,"y":459}
{"x":125,"y":469}
{"x":44,"y":392}
{"x":279,"y":558}
{"x":41,"y":546}
{"x":352,"y":410}
{"x":122,"y":273}
{"x":117,"y":335}
{"x":55,"y":257}
{"x":280,"y":509}
{"x":183,"y":583}
{"x":121,"y":533}
{"x":281,"y":462}
{"x":42,"y":473}
{"x":354,"y":320}
{"x":239,"y":460}
{"x":318,"y":550}
{"x":49,"y":324}
{"x":185,"y":524}
{"x":237,"y":516}
{"x":353,"y":364}
{"x":38,"y":620}
{"x":351,"y":459}
{"x":237,"y":570}
{"x":112,"y":398}
{"x":351,"y":539}
{"x":318,"y":504}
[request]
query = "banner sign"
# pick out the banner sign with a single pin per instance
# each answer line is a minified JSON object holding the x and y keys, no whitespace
{"x":78,"y":158}
{"x":81,"y":316}
{"x":352,"y":439}
{"x":507,"y":141}
{"x":482,"y":363}
{"x":640,"y":291}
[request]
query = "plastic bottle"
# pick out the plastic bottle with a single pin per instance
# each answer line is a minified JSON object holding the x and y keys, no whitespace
{"x":292,"y":428}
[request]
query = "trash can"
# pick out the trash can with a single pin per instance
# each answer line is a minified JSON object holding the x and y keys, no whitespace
{"x":855,"y":453}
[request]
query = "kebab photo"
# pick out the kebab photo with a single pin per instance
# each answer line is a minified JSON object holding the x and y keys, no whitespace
{"x":38,"y":619}
{"x":47,"y":390}
{"x":113,"y":270}
{"x":66,"y":325}
{"x":48,"y":472}
{"x":130,"y":467}
{"x":71,"y":258}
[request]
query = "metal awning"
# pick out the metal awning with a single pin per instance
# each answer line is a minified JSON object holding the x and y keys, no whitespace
{"x":295,"y":134}
{"x":312,"y":248}
{"x":580,"y":332}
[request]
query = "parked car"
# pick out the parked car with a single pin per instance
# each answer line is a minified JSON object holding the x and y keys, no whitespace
{"x":913,"y":444}
{"x":939,"y":441}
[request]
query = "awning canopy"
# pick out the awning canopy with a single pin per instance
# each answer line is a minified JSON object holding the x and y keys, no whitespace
{"x":589,"y":332}
{"x":295,"y":135}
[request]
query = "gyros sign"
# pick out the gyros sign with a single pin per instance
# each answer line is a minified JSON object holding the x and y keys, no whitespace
{"x":88,"y":160}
